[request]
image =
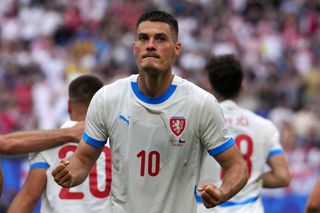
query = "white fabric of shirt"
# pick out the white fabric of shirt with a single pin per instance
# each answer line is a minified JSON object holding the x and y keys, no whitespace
{"x":246,"y":128}
{"x":156,"y":143}
{"x":94,"y":191}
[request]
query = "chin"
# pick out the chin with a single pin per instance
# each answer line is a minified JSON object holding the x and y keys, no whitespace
{"x":151,"y":69}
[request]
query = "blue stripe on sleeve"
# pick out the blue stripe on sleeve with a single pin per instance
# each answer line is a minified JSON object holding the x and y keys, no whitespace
{"x":247,"y":201}
{"x":215,"y":151}
{"x":39,"y":165}
{"x":93,"y":142}
{"x":275,"y":152}
{"x":228,"y":203}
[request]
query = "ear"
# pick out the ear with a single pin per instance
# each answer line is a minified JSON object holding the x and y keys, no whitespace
{"x":178,"y":48}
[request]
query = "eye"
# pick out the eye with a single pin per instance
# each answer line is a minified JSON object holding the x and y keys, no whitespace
{"x":142,"y":38}
{"x":160,"y":38}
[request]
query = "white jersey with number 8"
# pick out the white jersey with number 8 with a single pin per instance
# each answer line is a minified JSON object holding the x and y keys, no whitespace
{"x":258,"y":139}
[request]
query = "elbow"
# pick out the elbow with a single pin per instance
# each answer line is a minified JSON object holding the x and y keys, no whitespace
{"x":285,"y":179}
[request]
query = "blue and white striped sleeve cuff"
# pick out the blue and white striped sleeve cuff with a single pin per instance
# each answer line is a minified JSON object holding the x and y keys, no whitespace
{"x":275,"y":152}
{"x":93,"y":142}
{"x":37,"y":165}
{"x":215,"y":151}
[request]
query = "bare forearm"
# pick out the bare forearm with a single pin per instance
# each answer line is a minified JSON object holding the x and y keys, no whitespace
{"x":79,"y":168}
{"x":234,"y":180}
{"x":74,"y":171}
{"x":279,"y":175}
{"x":34,"y":141}
{"x":273,"y":180}
{"x":22,"y":203}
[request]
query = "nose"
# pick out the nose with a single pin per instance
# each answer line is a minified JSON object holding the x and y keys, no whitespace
{"x":151,"y":44}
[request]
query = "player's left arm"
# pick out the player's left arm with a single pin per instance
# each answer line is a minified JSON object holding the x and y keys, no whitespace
{"x":279,"y":174}
{"x":27,"y":198}
{"x":234,"y":179}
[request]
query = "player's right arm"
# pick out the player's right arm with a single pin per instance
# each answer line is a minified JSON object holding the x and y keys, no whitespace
{"x":22,"y":142}
{"x":279,"y":175}
{"x":27,"y":198}
{"x":313,"y":203}
{"x":73,"y":171}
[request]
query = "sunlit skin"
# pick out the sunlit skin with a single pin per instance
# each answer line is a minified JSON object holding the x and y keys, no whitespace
{"x":155,"y":49}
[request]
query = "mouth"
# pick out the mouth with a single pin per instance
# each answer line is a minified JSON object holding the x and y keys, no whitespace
{"x":150,"y":55}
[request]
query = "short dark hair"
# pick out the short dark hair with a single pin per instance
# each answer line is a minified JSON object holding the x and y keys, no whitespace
{"x":225,"y":75}
{"x":83,"y":88}
{"x":160,"y":16}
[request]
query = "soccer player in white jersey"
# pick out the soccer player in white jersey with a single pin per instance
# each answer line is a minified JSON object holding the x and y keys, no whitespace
{"x":90,"y":196}
{"x":158,"y":125}
{"x":257,"y":138}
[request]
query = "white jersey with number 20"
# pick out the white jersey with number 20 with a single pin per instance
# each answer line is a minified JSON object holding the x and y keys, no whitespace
{"x":90,"y":196}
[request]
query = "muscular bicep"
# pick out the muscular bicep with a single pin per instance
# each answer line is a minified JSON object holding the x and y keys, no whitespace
{"x":87,"y":153}
{"x":230,"y":157}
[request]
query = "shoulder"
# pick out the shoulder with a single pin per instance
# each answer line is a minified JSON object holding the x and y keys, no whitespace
{"x":265,"y":124}
{"x":113,"y":90}
{"x":194,"y":92}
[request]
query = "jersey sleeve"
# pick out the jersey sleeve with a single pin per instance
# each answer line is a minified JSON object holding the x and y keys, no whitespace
{"x":275,"y":147}
{"x":213,"y":133}
{"x":37,"y":160}
{"x":96,"y":133}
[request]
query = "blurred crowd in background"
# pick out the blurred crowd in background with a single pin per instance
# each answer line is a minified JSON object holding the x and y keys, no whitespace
{"x":46,"y":43}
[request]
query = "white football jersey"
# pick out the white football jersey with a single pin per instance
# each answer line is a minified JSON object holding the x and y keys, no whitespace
{"x":90,"y":196}
{"x":156,"y":143}
{"x":258,"y":140}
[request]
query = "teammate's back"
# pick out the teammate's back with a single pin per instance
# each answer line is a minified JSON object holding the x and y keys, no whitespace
{"x":257,"y":138}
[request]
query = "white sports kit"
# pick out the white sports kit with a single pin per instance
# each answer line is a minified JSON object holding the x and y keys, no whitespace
{"x":258,"y":139}
{"x":90,"y":196}
{"x":156,"y":143}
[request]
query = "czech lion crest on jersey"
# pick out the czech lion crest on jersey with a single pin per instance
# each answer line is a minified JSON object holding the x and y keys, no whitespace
{"x":177,"y":125}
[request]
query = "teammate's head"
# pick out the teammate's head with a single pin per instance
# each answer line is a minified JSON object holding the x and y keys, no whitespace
{"x":160,"y":16}
{"x":225,"y":75}
{"x":81,"y":91}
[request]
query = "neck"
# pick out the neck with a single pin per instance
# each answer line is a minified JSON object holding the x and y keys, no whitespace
{"x":154,"y":85}
{"x":78,"y":114}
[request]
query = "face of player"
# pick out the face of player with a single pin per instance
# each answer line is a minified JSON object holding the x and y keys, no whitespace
{"x":155,"y":47}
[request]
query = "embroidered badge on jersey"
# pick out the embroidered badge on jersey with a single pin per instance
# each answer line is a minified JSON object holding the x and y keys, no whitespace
{"x":177,"y":125}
